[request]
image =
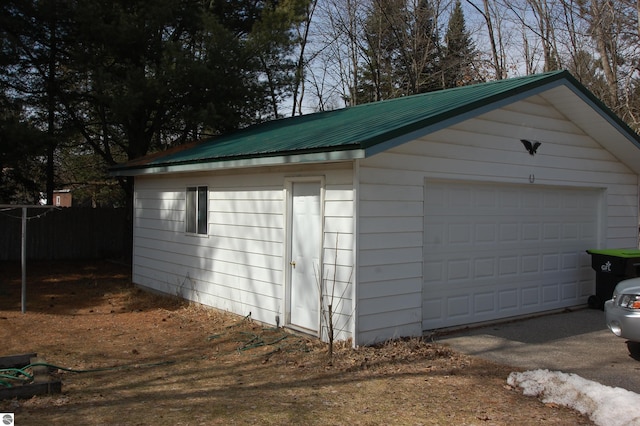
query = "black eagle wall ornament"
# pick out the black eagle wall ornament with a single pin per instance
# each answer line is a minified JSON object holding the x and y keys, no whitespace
{"x":531,"y":146}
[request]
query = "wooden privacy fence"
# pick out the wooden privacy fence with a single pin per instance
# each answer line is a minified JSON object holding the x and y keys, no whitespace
{"x":65,"y":233}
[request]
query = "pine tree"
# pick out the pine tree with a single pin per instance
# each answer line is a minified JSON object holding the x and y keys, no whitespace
{"x":425,"y":50}
{"x":22,"y":172}
{"x":129,"y":77}
{"x":458,"y":53}
{"x":402,"y":51}
{"x":35,"y":48}
{"x":378,"y":79}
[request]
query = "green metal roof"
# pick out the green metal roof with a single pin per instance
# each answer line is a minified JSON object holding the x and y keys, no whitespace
{"x":353,"y":132}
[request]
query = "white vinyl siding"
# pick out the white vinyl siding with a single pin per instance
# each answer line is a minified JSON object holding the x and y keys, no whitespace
{"x":374,"y":251}
{"x":239,"y":267}
{"x":338,"y":258}
{"x":483,"y":149}
{"x":390,"y":256}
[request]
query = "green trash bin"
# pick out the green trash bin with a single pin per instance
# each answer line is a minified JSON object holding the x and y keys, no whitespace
{"x":612,"y":266}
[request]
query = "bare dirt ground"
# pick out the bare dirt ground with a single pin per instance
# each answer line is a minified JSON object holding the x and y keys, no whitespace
{"x":143,"y":359}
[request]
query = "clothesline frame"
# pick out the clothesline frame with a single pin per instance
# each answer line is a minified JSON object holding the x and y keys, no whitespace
{"x":23,"y":249}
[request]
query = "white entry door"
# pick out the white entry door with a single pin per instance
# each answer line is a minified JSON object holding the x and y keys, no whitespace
{"x":306,"y":232}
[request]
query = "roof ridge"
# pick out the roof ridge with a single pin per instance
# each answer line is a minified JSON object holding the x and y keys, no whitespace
{"x":361,"y":129}
{"x":529,"y":77}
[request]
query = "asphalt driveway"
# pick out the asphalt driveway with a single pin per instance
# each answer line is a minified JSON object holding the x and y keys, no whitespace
{"x":572,"y":341}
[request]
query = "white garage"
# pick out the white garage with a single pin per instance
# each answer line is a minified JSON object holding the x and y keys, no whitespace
{"x":496,"y":250}
{"x":395,"y":218}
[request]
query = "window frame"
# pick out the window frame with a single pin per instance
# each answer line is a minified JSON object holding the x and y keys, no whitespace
{"x":197,"y":210}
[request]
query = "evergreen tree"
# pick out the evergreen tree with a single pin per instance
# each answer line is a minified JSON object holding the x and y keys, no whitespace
{"x":378,"y":73}
{"x":134,"y":76}
{"x":22,"y":173}
{"x":272,"y":42}
{"x":402,"y":51}
{"x":35,"y":42}
{"x":422,"y":61}
{"x":458,"y":53}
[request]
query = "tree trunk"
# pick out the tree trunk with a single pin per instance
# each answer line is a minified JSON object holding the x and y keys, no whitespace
{"x":486,"y":14}
{"x":599,"y":20}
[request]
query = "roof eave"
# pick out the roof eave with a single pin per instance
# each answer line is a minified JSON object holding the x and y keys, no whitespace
{"x":452,"y":117}
{"x":598,"y":122}
{"x":251,"y":162}
{"x":458,"y":115}
{"x":606,"y":113}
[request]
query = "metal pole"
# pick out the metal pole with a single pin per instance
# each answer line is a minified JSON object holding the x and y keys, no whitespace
{"x":24,"y":260}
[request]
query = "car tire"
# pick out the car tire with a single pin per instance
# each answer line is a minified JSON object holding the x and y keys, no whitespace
{"x":594,"y":302}
{"x":634,"y":350}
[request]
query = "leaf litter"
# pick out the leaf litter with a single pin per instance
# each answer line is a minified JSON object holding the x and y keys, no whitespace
{"x":180,"y":363}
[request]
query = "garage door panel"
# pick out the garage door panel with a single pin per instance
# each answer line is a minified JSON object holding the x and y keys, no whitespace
{"x":550,"y":293}
{"x":530,"y":296}
{"x":551,"y":262}
{"x":506,"y":250}
{"x":481,"y":303}
{"x":453,"y":236}
{"x":569,"y":290}
{"x":499,"y":264}
{"x":508,"y":300}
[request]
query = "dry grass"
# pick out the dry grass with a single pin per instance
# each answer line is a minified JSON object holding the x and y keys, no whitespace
{"x":179,"y":364}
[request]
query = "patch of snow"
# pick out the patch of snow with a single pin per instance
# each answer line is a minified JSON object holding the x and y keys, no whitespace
{"x":604,"y":405}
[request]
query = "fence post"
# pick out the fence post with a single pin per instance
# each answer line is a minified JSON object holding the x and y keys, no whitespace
{"x":24,"y":260}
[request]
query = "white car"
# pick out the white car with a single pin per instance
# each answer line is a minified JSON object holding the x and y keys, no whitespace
{"x":622,"y":312}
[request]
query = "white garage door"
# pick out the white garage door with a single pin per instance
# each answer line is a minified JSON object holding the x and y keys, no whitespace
{"x":494,"y":251}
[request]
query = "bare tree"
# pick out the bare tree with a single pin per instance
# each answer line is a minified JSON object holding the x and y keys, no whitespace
{"x":337,"y":46}
{"x":545,"y":29}
{"x":602,"y":27}
{"x":494,"y":34}
{"x":597,"y":40}
{"x":304,"y":30}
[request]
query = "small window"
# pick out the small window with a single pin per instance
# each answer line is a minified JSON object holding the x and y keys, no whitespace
{"x":196,"y":220}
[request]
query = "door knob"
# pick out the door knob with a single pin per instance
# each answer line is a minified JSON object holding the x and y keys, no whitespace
{"x":293,"y":263}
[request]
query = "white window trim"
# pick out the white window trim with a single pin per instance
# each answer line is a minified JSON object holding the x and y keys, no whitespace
{"x":197,"y":209}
